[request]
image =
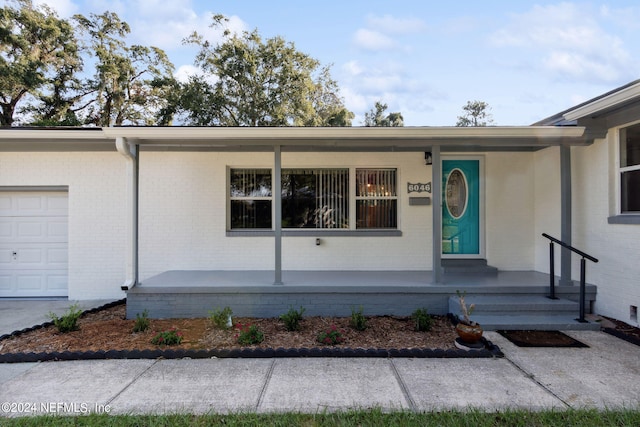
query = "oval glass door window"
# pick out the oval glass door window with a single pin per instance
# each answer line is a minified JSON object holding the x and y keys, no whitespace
{"x":457,"y":195}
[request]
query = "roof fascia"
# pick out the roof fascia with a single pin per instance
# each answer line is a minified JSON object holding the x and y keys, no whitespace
{"x":611,"y":101}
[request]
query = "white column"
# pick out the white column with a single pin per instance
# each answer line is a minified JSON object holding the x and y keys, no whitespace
{"x":565,"y":214}
{"x":436,"y":188}
{"x":130,"y":152}
{"x":277,"y":213}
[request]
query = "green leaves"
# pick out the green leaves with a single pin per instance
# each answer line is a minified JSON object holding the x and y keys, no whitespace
{"x":254,"y":82}
{"x":37,"y":52}
{"x":476,"y":113}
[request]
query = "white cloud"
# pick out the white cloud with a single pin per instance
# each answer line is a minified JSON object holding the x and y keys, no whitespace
{"x":64,"y":8}
{"x":379,"y":29}
{"x":568,"y":41}
{"x":372,"y":40}
{"x":168,"y":29}
{"x":390,"y":25}
{"x":183,"y":73}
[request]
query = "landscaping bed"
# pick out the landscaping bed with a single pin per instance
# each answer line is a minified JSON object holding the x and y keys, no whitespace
{"x":105,"y":333}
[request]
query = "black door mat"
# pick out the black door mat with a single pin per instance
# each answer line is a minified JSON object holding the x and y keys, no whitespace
{"x":541,"y":339}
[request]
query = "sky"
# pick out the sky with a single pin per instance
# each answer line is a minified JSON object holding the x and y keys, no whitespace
{"x":424,"y":58}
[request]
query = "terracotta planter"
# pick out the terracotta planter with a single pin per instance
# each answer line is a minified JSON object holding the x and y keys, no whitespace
{"x":469,"y":333}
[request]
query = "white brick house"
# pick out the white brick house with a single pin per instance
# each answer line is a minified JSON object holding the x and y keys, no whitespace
{"x":94,"y":213}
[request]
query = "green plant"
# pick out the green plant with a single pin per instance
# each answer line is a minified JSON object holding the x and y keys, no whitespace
{"x":69,"y":321}
{"x":142,"y":322}
{"x":466,"y":309}
{"x":249,"y":334}
{"x":292,"y":319}
{"x":330,"y":336}
{"x":422,"y":320}
{"x":358,"y":321}
{"x":168,"y":337}
{"x":221,"y":318}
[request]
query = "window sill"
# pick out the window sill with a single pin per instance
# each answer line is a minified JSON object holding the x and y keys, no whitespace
{"x":624,"y":219}
{"x":315,"y":233}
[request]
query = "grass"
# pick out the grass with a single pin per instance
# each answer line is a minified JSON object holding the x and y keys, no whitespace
{"x":375,"y":417}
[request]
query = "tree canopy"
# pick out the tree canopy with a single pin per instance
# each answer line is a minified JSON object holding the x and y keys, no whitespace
{"x":258,"y":82}
{"x":476,"y":113}
{"x":245,"y":80}
{"x":376,"y":117}
{"x":124,"y":88}
{"x":39,"y":55}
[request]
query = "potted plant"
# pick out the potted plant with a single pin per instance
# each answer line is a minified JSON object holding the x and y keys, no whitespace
{"x":468,"y":330}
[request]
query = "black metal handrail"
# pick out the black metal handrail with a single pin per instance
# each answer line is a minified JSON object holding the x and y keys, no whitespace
{"x":583,"y":271}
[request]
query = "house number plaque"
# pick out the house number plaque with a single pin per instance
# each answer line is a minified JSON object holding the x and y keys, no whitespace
{"x":419,"y":187}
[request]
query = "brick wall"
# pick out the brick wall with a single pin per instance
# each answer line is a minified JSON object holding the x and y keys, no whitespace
{"x":96,"y":221}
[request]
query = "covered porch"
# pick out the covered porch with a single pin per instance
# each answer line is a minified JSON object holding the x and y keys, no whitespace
{"x":392,"y":285}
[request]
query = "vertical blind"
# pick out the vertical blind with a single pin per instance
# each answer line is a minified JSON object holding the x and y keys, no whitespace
{"x":315,"y":198}
{"x":376,"y":198}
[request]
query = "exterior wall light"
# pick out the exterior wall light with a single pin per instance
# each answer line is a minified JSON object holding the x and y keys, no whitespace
{"x":427,"y":158}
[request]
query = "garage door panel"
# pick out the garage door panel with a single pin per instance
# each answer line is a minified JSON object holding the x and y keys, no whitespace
{"x":57,"y":283}
{"x":5,"y":283}
{"x":57,"y":257}
{"x":21,"y":204}
{"x":29,"y":282}
{"x":33,"y":229}
{"x":28,"y":258}
{"x":57,"y":230}
{"x":33,"y":244}
{"x":5,"y":230}
{"x":5,"y":257}
{"x":30,"y":230}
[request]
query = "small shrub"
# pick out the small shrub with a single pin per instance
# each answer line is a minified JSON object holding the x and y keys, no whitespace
{"x":169,"y":337}
{"x":142,"y":322}
{"x":249,"y":334}
{"x":69,"y":321}
{"x":330,"y":336}
{"x":422,"y":320}
{"x":292,"y":319}
{"x":221,"y":318}
{"x":358,"y":321}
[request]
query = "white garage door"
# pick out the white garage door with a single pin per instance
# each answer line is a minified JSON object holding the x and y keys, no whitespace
{"x":33,"y":244}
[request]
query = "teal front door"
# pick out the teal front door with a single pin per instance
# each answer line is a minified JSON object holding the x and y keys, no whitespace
{"x":461,"y":208}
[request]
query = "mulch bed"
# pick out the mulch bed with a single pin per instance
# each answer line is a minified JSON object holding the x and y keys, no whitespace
{"x":105,"y":334}
{"x":541,"y":339}
{"x":623,"y":331}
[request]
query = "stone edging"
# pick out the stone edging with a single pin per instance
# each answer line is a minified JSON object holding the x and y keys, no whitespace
{"x":490,"y":350}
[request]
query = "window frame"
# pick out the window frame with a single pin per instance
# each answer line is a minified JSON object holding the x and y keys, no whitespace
{"x":620,"y":216}
{"x":373,"y":198}
{"x":352,"y":203}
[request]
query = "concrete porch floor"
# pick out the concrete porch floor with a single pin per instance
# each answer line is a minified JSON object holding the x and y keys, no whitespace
{"x":336,"y":279}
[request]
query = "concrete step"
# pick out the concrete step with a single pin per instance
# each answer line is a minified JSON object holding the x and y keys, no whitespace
{"x":463,"y":267}
{"x":555,"y":322}
{"x":523,"y":312}
{"x":514,"y":304}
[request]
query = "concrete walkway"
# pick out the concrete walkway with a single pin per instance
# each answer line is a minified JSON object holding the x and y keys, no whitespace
{"x":605,"y":375}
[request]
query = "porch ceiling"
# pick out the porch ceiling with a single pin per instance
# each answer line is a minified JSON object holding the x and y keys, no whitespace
{"x":515,"y":138}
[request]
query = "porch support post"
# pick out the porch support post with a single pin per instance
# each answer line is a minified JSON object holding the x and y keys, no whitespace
{"x":277,"y":200}
{"x":436,"y":187}
{"x":565,"y":214}
{"x":131,"y":152}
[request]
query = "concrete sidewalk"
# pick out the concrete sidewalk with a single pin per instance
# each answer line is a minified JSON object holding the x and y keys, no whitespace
{"x":17,"y":314}
{"x":605,"y":375}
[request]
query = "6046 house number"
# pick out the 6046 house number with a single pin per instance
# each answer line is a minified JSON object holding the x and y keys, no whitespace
{"x":419,"y":187}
